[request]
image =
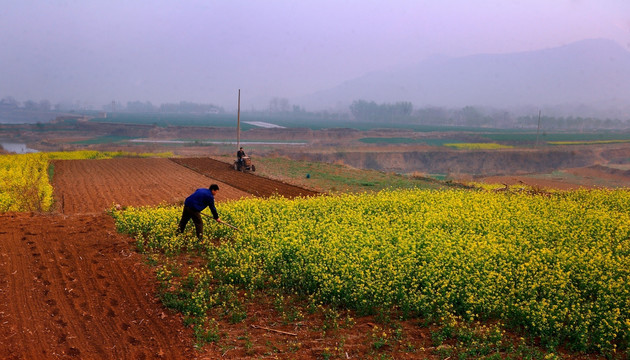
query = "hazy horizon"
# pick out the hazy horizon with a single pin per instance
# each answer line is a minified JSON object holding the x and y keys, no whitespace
{"x":205,"y":51}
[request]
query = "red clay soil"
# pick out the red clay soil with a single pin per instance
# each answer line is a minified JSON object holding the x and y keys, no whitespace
{"x":91,"y":186}
{"x":248,"y":182}
{"x":603,"y":174}
{"x":72,"y":287}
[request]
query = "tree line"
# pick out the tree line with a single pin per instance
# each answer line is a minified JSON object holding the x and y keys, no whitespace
{"x":363,"y":110}
{"x":403,"y":112}
{"x":183,"y":107}
{"x":9,"y":103}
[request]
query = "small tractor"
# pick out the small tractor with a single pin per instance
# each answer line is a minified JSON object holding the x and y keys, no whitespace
{"x":245,"y":165}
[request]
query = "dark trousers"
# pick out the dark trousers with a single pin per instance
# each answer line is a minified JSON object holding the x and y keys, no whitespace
{"x":188,"y":214}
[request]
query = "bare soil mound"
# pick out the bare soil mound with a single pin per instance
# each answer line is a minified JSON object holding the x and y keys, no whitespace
{"x":615,"y":177}
{"x":70,"y":287}
{"x":590,"y":177}
{"x":535,"y":182}
{"x":246,"y":182}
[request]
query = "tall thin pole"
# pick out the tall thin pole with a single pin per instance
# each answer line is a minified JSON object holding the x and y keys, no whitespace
{"x":238,"y":122}
{"x":538,"y":130}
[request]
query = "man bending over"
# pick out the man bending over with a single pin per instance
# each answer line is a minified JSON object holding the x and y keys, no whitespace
{"x":193,"y":206}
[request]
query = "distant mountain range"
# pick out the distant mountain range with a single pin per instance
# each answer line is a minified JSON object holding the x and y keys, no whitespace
{"x":591,"y":74}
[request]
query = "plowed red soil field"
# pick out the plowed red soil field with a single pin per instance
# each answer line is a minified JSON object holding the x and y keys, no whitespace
{"x":248,"y":182}
{"x":71,"y":287}
{"x":89,"y":186}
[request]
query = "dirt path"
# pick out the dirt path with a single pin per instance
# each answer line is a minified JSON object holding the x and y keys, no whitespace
{"x":70,"y":287}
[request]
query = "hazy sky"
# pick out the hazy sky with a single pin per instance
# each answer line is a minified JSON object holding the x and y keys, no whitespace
{"x":96,"y":51}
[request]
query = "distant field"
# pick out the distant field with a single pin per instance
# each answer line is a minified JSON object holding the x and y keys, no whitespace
{"x":405,"y":140}
{"x":289,"y":121}
{"x":587,"y":142}
{"x":319,"y":123}
{"x":326,"y":177}
{"x":163,"y":120}
{"x":478,"y":146}
{"x":454,"y":143}
{"x":107,"y":139}
{"x":517,"y":136}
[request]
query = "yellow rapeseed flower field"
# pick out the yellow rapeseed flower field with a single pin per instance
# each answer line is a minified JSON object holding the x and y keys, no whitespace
{"x":479,"y":146}
{"x":556,"y":265}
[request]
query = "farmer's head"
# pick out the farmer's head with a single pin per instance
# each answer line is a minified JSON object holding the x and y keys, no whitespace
{"x":214,"y":188}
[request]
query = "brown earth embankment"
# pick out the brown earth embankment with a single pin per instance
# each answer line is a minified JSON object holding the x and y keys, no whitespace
{"x":486,"y":162}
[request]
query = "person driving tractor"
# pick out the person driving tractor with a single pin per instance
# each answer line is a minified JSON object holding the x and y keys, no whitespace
{"x":240,"y":154}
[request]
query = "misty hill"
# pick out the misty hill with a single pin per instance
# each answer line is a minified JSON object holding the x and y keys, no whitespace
{"x":589,"y":73}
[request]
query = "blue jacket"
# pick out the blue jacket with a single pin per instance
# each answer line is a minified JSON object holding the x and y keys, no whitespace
{"x":201,"y":199}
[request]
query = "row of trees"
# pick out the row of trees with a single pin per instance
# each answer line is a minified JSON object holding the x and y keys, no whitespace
{"x":370,"y":111}
{"x":403,"y":112}
{"x":277,"y":105}
{"x":360,"y":110}
{"x":147,"y":107}
{"x":477,"y":117}
{"x":9,"y":103}
{"x":571,"y":122}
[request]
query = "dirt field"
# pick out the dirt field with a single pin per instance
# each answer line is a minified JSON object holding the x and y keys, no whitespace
{"x":590,"y":177}
{"x":91,"y":186}
{"x":71,"y":287}
{"x":247,"y":182}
